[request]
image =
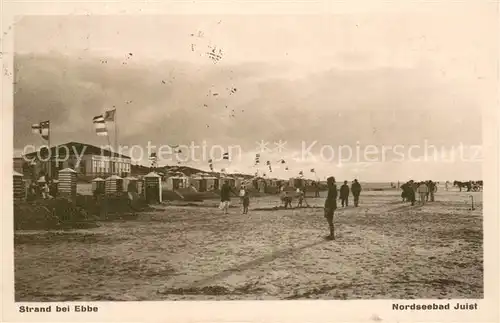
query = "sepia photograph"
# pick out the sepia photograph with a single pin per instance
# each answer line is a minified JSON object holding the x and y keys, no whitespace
{"x":251,"y":157}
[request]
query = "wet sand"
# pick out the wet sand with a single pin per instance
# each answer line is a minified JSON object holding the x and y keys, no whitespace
{"x":384,"y":249}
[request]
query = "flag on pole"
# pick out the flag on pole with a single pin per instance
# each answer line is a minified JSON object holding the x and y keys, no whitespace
{"x":110,"y":115}
{"x":35,"y":128}
{"x":225,"y":156}
{"x":257,"y":159}
{"x":301,"y":173}
{"x":154,"y":159}
{"x":42,"y":128}
{"x":211,"y":165}
{"x":312,"y":170}
{"x":269,"y":165}
{"x":100,"y":125}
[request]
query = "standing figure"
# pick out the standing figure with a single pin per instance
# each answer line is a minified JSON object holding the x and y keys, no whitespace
{"x":225,"y":197}
{"x":410,"y":192}
{"x":432,"y":190}
{"x":287,"y":199}
{"x":331,"y":205}
{"x":300,"y":196}
{"x":423,"y":190}
{"x":344,"y":194}
{"x":246,"y":202}
{"x":446,"y":185}
{"x":356,"y":191}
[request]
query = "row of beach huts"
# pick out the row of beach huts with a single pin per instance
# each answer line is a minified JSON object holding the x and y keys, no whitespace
{"x":160,"y":182}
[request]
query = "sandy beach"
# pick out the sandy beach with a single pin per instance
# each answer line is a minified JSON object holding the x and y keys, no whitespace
{"x":385,"y":249}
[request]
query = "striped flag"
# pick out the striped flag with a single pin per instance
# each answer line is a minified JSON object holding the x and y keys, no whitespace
{"x":268,"y":163}
{"x":154,"y":159}
{"x":100,"y":125}
{"x":257,"y":159}
{"x":225,"y":156}
{"x":110,"y":115}
{"x":41,"y":128}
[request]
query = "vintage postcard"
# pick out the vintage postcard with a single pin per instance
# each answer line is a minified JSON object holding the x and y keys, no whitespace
{"x":250,"y":162}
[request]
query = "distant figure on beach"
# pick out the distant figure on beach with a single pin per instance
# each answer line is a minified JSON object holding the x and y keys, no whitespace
{"x":432,"y":190}
{"x":423,"y":190}
{"x":53,"y":189}
{"x":225,"y":197}
{"x":344,"y":194}
{"x":408,"y":193}
{"x":316,"y":189}
{"x":356,"y":191}
{"x":132,"y":194}
{"x":246,"y":202}
{"x":300,"y":197}
{"x":446,"y":184}
{"x":286,"y":199}
{"x":331,"y":205}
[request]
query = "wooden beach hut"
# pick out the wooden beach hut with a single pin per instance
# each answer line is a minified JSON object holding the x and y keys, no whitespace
{"x":18,"y":185}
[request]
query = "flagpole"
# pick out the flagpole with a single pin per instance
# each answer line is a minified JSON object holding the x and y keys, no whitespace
{"x":116,"y":130}
{"x":109,"y":145}
{"x":50,"y":155}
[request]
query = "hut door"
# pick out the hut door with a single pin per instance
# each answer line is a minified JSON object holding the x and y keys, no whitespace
{"x":203,"y":185}
{"x":216,"y":184}
{"x":152,"y":192}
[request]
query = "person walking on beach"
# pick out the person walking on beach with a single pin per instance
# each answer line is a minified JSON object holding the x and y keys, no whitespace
{"x":331,"y":205}
{"x":246,"y":202}
{"x":408,"y":194}
{"x":432,"y":190}
{"x":344,"y":194}
{"x":356,"y":191}
{"x":423,"y":190}
{"x":225,"y":197}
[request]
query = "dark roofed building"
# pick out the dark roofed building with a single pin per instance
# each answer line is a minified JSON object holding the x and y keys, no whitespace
{"x":88,"y":160}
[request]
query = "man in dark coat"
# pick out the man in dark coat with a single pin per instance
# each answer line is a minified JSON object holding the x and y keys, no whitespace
{"x":225,"y":197}
{"x":331,"y":205}
{"x":344,"y":194}
{"x":356,"y":191}
{"x":410,"y":192}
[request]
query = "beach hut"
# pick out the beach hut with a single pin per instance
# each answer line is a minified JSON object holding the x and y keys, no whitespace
{"x":238,"y":181}
{"x":114,"y":184}
{"x":98,"y":184}
{"x":176,"y":181}
{"x":212,"y":182}
{"x":198,"y":182}
{"x":67,"y":183}
{"x":18,"y":185}
{"x":296,"y":182}
{"x":152,"y":188}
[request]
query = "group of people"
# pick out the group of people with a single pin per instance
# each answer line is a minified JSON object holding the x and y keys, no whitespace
{"x":424,"y":189}
{"x":46,"y":190}
{"x":345,"y":190}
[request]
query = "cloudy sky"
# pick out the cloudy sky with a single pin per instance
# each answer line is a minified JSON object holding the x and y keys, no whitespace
{"x":368,"y":82}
